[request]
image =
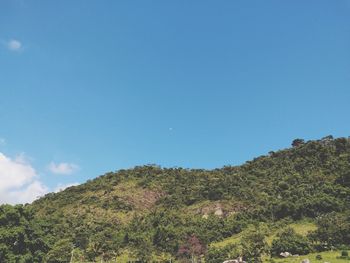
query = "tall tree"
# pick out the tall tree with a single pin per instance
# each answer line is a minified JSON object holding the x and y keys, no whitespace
{"x":254,"y":246}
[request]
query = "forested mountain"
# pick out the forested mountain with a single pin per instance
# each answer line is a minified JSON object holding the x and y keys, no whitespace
{"x":153,"y":213}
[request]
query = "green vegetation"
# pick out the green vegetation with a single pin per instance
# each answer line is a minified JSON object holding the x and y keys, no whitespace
{"x":20,"y":241}
{"x":295,"y":200}
{"x":254,"y":246}
{"x":326,"y":256}
{"x":289,"y":240}
{"x":302,"y":228}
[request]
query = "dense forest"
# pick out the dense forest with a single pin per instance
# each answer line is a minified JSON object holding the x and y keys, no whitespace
{"x":149,"y":213}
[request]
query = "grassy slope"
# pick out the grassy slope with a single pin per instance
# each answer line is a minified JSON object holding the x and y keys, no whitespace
{"x":298,"y":179}
{"x":118,"y":204}
{"x":302,"y":228}
{"x":327,"y":256}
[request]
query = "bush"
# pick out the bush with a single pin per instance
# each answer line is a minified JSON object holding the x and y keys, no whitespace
{"x":219,"y":255}
{"x":318,"y":257}
{"x":292,"y":242}
{"x":345,"y":253}
{"x":333,"y":231}
{"x":254,"y":246}
{"x":60,"y":252}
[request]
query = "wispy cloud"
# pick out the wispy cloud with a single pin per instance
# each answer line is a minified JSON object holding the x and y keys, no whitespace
{"x":14,"y":45}
{"x":19,"y":181}
{"x":63,"y":168}
{"x":61,"y":187}
{"x":2,"y":141}
{"x":23,"y":158}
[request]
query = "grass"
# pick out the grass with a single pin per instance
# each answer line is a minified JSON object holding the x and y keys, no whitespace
{"x":126,"y":256}
{"x":235,"y":239}
{"x":327,"y":256}
{"x":302,"y":228}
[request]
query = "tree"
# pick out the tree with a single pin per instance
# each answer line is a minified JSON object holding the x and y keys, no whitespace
{"x":193,"y":249}
{"x":220,"y":254}
{"x":143,"y":250}
{"x":344,"y":179}
{"x":297,"y":142}
{"x":19,"y":240}
{"x":254,"y":246}
{"x":333,"y":231}
{"x":290,"y":241}
{"x":165,"y":238}
{"x":105,"y":244}
{"x":61,"y":252}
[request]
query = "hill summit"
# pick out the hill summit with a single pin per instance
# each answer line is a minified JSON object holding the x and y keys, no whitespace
{"x":153,"y":213}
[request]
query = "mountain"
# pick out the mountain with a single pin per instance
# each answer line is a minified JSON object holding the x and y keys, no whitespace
{"x":153,"y":213}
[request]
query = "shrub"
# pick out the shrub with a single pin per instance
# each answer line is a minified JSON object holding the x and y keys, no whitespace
{"x":318,"y":257}
{"x":345,"y":253}
{"x":292,"y":242}
{"x":254,"y":246}
{"x":218,"y":255}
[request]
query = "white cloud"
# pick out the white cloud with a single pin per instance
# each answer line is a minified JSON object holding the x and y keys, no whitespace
{"x":61,"y":187}
{"x":63,"y":168}
{"x":19,"y":181}
{"x":29,"y":193}
{"x":14,"y":45}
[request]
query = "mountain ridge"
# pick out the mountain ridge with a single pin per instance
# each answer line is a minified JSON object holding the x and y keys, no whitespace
{"x":149,"y":212}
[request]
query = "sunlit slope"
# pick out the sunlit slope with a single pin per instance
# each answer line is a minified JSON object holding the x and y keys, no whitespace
{"x":157,"y":208}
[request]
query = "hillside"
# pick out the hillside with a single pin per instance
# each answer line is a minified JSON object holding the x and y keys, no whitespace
{"x":150,"y":212}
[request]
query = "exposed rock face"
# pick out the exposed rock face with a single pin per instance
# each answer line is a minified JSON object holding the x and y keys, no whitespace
{"x":285,"y":254}
{"x":214,"y":208}
{"x":219,"y":208}
{"x":218,"y":212}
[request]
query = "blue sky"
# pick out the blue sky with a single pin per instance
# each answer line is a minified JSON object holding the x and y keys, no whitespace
{"x":88,"y":87}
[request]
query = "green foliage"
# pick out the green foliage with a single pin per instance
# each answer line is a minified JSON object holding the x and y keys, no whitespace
{"x":254,"y":246}
{"x":333,"y":231}
{"x":19,"y":241}
{"x":327,"y":256}
{"x":290,"y":241}
{"x":344,"y":253}
{"x":151,"y":210}
{"x":61,"y":252}
{"x":220,"y":254}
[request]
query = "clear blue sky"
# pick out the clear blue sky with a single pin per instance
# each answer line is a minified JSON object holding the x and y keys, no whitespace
{"x":111,"y":84}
